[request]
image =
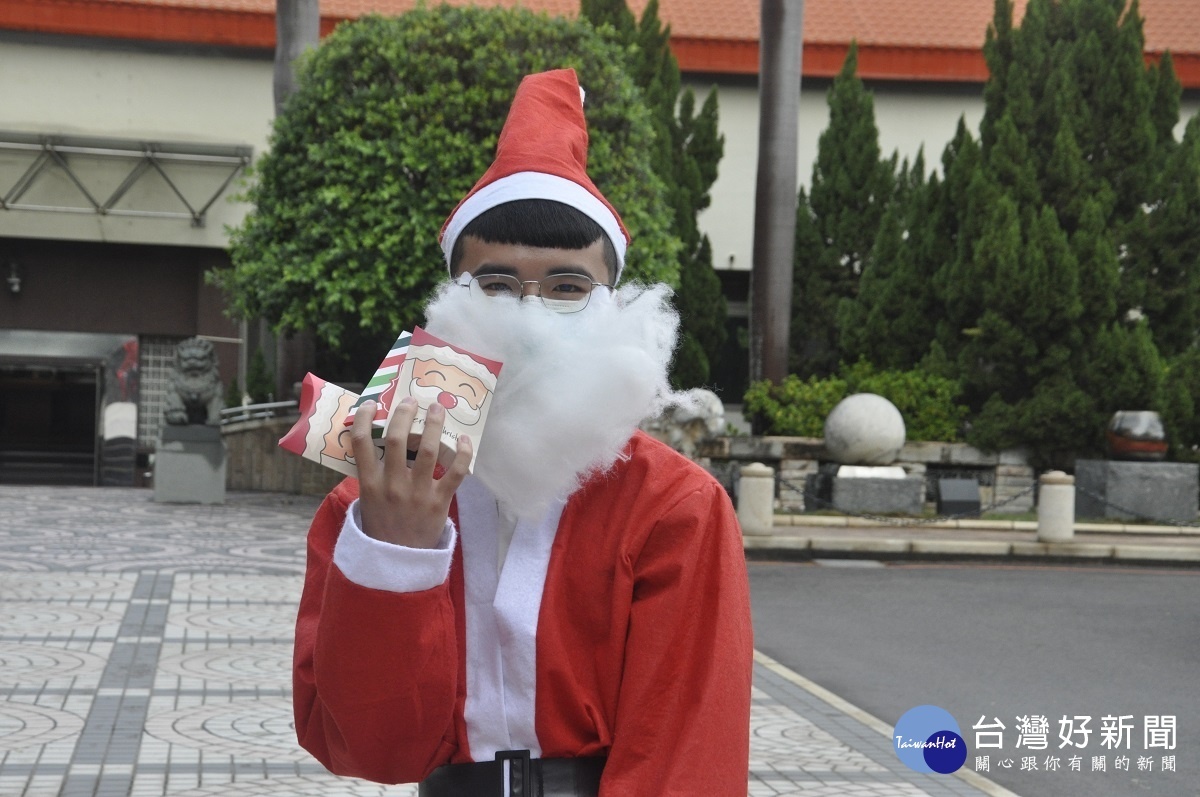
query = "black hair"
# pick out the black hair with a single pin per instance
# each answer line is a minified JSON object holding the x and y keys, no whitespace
{"x":536,"y":222}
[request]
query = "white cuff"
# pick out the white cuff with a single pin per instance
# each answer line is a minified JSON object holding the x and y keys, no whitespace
{"x":381,"y":565}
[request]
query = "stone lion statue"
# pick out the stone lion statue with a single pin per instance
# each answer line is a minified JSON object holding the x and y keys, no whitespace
{"x":194,"y":396}
{"x":699,"y":416}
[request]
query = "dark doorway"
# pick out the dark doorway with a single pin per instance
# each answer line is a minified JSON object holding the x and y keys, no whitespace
{"x":48,"y":424}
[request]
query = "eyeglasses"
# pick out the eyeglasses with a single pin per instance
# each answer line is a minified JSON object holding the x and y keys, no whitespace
{"x":562,"y":293}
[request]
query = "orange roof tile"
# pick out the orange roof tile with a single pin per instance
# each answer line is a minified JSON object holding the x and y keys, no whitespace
{"x":898,"y":39}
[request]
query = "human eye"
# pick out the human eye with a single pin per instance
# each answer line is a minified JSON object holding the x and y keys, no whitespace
{"x":567,"y":286}
{"x":497,"y":285}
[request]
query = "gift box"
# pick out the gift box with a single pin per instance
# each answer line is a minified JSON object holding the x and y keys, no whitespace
{"x":418,"y":365}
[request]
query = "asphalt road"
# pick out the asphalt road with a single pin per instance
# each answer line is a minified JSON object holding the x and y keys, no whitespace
{"x":1002,"y":642}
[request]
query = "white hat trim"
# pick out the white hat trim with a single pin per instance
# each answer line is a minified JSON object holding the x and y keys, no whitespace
{"x":535,"y":185}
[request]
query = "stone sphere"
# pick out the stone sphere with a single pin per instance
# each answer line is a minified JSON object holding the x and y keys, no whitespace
{"x":864,"y":429}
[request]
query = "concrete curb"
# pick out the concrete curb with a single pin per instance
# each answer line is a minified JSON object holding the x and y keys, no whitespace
{"x":826,"y":521}
{"x":989,"y":787}
{"x":804,"y":546}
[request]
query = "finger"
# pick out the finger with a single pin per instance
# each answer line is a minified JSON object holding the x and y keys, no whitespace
{"x":400,"y":423}
{"x":460,"y":467}
{"x":431,"y":441}
{"x":364,"y":447}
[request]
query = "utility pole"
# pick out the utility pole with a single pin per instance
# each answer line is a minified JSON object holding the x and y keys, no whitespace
{"x":780,"y":50}
{"x":297,"y":28}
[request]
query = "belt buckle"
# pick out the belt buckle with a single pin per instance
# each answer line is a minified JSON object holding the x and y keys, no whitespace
{"x":519,"y":781}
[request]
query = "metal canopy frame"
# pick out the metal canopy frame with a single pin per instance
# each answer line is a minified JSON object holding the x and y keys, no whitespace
{"x":145,"y":157}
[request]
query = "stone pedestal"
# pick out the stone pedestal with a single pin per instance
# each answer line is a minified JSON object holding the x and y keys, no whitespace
{"x":189,"y":467}
{"x":862,"y":493}
{"x":1136,"y":490}
{"x":906,"y":496}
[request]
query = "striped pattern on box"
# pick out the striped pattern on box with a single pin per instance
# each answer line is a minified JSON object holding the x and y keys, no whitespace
{"x":382,"y":387}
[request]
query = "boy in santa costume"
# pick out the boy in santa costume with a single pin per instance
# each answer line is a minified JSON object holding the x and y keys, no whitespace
{"x":572,"y":618}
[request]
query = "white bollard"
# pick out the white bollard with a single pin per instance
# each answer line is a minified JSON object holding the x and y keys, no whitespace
{"x":1056,"y":507}
{"x":756,"y":499}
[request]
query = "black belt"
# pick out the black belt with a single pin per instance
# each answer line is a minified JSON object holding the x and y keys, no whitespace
{"x":528,"y":777}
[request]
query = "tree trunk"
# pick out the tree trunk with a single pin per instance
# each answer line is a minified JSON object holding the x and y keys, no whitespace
{"x":297,"y":28}
{"x":780,"y":49}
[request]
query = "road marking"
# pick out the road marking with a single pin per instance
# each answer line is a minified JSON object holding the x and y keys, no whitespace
{"x":874,"y":723}
{"x":848,"y":562}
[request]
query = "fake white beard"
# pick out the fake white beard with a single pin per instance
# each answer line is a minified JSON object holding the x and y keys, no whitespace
{"x":573,"y":387}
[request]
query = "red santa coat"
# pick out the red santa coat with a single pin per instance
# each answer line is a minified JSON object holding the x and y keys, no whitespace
{"x":643,"y":643}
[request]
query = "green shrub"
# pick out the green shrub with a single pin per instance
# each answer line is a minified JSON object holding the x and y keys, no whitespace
{"x":795,"y":407}
{"x":233,"y":394}
{"x":392,"y":122}
{"x":927,"y":402}
{"x":260,"y":384}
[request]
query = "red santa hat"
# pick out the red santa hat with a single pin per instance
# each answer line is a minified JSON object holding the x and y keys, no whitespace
{"x":541,"y":154}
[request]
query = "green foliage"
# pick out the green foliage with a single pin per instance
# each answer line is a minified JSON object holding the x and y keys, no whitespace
{"x":892,"y":320}
{"x":1023,"y":273}
{"x":233,"y":394}
{"x":1053,"y":424}
{"x":260,"y":384}
{"x":1065,"y":415}
{"x":957,"y":210}
{"x":1165,"y":244}
{"x":393,"y":121}
{"x":798,"y":407}
{"x":928,"y":403}
{"x":1180,"y":407}
{"x":687,"y":148}
{"x":794,"y":407}
{"x":837,"y":220}
{"x":1077,"y":216}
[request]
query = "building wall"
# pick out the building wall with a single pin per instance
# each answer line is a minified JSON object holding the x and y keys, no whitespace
{"x":75,"y":87}
{"x":125,"y":91}
{"x":908,"y":117}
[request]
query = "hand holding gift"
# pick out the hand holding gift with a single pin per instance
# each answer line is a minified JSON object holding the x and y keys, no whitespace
{"x":420,"y":366}
{"x":403,"y":504}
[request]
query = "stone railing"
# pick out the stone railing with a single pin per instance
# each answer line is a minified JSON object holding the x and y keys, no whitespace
{"x":256,"y":462}
{"x":1004,"y":478}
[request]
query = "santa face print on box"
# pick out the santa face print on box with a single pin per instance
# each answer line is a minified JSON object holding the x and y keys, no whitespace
{"x":434,"y":372}
{"x":461,"y":393}
{"x":419,"y":365}
{"x":321,"y":434}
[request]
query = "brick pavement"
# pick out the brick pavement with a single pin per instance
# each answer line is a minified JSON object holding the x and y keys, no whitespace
{"x":145,"y":650}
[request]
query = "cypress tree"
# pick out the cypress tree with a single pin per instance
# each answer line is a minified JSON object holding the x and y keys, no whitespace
{"x":614,"y":13}
{"x":1166,"y":249}
{"x":1164,"y":105}
{"x":953,"y":235}
{"x":688,"y":148}
{"x":892,"y":320}
{"x":1181,"y":405}
{"x":1099,"y":268}
{"x":849,"y":192}
{"x":1063,"y":228}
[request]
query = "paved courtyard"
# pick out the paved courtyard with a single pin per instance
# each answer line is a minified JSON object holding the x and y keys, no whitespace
{"x":145,"y":650}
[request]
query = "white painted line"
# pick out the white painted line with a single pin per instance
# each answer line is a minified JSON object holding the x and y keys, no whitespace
{"x":848,"y":562}
{"x":874,"y":723}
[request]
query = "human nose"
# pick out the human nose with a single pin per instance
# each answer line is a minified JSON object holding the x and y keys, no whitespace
{"x":530,"y":288}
